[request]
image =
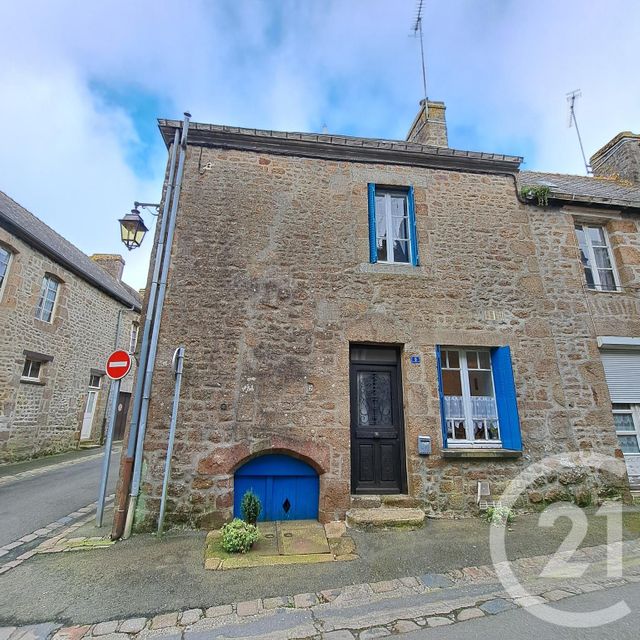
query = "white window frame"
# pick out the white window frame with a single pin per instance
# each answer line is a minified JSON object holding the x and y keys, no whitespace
{"x":44,"y":288}
{"x":29,"y":377}
{"x":634,"y":411}
{"x":388,"y":218}
{"x":6,"y":271}
{"x":91,"y":377}
{"x":591,"y":256}
{"x":133,"y":337}
{"x":466,"y":400}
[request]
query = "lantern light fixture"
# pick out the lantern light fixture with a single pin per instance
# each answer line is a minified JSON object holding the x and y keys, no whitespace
{"x":132,"y":226}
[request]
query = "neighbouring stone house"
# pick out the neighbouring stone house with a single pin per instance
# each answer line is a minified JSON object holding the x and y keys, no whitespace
{"x":378,"y":317}
{"x":61,"y":314}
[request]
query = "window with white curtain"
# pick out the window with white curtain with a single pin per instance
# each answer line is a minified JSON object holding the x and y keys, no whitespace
{"x":470,"y":407}
{"x":393,"y":238}
{"x":597,"y":259}
{"x":5,"y":259}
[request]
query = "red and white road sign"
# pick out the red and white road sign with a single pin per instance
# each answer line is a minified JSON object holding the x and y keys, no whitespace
{"x":118,"y":364}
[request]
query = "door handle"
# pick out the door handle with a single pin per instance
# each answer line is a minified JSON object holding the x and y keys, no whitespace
{"x":376,"y":434}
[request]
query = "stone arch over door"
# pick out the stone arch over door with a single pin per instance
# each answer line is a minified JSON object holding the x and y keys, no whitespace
{"x":288,"y":487}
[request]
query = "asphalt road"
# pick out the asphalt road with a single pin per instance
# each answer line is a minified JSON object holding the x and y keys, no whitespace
{"x":27,"y":504}
{"x":520,"y":624}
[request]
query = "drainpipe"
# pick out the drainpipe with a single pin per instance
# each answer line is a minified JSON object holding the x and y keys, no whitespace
{"x":154,"y":327}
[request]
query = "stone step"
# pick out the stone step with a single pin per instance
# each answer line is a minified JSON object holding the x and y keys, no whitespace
{"x":88,"y":444}
{"x":377,"y":501}
{"x":385,"y":518}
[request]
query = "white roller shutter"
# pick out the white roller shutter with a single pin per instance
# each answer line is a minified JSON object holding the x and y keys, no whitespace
{"x":622,"y":371}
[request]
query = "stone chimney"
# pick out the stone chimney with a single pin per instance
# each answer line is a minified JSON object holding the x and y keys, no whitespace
{"x":430,"y":126}
{"x":618,"y":158}
{"x":112,"y":263}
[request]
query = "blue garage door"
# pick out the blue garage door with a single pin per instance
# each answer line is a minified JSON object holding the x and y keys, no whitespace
{"x":288,"y":488}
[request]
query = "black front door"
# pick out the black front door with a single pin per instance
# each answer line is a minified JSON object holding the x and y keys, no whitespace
{"x":377,"y":437}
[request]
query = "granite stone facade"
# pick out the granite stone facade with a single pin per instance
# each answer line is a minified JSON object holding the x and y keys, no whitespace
{"x":271,"y":282}
{"x":46,"y":416}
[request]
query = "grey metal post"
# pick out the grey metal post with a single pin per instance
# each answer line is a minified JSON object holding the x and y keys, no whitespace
{"x":106,"y":461}
{"x":178,"y":359}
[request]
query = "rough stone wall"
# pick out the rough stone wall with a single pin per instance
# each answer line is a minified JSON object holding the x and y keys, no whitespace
{"x":37,"y":419}
{"x":620,"y":157}
{"x":270,"y":281}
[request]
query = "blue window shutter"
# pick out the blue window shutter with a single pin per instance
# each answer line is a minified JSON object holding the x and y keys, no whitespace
{"x":441,"y":394}
{"x":415,"y":260}
{"x":506,"y":398}
{"x":373,"y":245}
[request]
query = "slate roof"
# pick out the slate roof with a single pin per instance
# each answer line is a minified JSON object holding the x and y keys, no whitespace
{"x":331,"y":146}
{"x":32,"y":230}
{"x":587,"y":189}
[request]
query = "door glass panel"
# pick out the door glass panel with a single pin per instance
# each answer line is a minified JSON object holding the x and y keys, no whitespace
{"x":374,"y":398}
{"x":370,"y":354}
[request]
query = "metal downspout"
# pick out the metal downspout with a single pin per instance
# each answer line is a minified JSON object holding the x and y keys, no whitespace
{"x":118,"y":524}
{"x":153,"y":346}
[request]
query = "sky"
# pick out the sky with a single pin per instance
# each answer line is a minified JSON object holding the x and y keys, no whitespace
{"x":83,"y":82}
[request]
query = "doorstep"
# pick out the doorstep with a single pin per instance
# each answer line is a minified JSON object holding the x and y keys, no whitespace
{"x":284,"y":542}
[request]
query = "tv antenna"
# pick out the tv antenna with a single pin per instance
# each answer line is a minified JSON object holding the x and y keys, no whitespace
{"x":417,"y":31}
{"x":571,"y":99}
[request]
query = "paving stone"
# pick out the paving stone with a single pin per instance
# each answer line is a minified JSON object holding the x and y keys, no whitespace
{"x":220,"y":610}
{"x":384,"y":586}
{"x":190,"y":616}
{"x":5,"y":632}
{"x":3,"y":552}
{"x":335,"y":529}
{"x":4,"y":569}
{"x":305,"y":600}
{"x":132,"y":625}
{"x":27,"y":555}
{"x":468,"y":614}
{"x":438,"y":621}
{"x":556,"y":594}
{"x":104,"y":628}
{"x":529,"y":601}
{"x":375,"y":632}
{"x":72,"y":633}
{"x":35,"y":631}
{"x":42,"y":532}
{"x":115,"y":636}
{"x":275,"y":603}
{"x":164,"y":620}
{"x":436,"y":581}
{"x":329,"y":595}
{"x":28,"y":538}
{"x":248,"y":608}
{"x":498,"y":605}
{"x":410,"y":582}
{"x":343,"y":634}
{"x":405,"y":626}
{"x":12,"y":545}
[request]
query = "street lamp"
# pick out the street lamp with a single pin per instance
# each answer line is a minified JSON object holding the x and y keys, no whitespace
{"x":132,"y":226}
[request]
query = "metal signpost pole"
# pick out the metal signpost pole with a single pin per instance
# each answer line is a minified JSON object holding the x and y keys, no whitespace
{"x":178,"y":359}
{"x":111,"y":420}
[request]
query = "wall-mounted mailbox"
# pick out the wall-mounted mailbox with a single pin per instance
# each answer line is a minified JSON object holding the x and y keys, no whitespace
{"x":424,"y":445}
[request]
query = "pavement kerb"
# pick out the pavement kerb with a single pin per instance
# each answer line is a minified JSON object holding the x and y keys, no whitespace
{"x":401,"y":606}
{"x":51,"y":535}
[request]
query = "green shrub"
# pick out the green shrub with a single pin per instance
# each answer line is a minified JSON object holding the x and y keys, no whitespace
{"x":238,"y":536}
{"x":250,"y":507}
{"x":499,"y":515}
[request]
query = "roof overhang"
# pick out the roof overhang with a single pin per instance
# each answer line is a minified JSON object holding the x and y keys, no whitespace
{"x":341,"y":148}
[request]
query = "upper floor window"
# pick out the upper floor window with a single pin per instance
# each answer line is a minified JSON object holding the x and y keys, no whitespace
{"x":94,"y":381}
{"x":47,"y":300}
{"x":478,"y":398}
{"x":5,"y":259}
{"x":392,"y":225}
{"x":133,"y":338}
{"x":597,"y":260}
{"x":31,"y":369}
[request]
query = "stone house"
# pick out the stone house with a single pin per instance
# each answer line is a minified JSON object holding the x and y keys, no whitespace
{"x":367,"y":317}
{"x":61,"y":314}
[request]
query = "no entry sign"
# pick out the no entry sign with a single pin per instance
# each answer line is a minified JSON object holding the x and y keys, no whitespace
{"x":118,"y":364}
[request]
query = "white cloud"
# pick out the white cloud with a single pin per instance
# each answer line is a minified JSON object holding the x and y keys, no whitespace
{"x":503,"y":67}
